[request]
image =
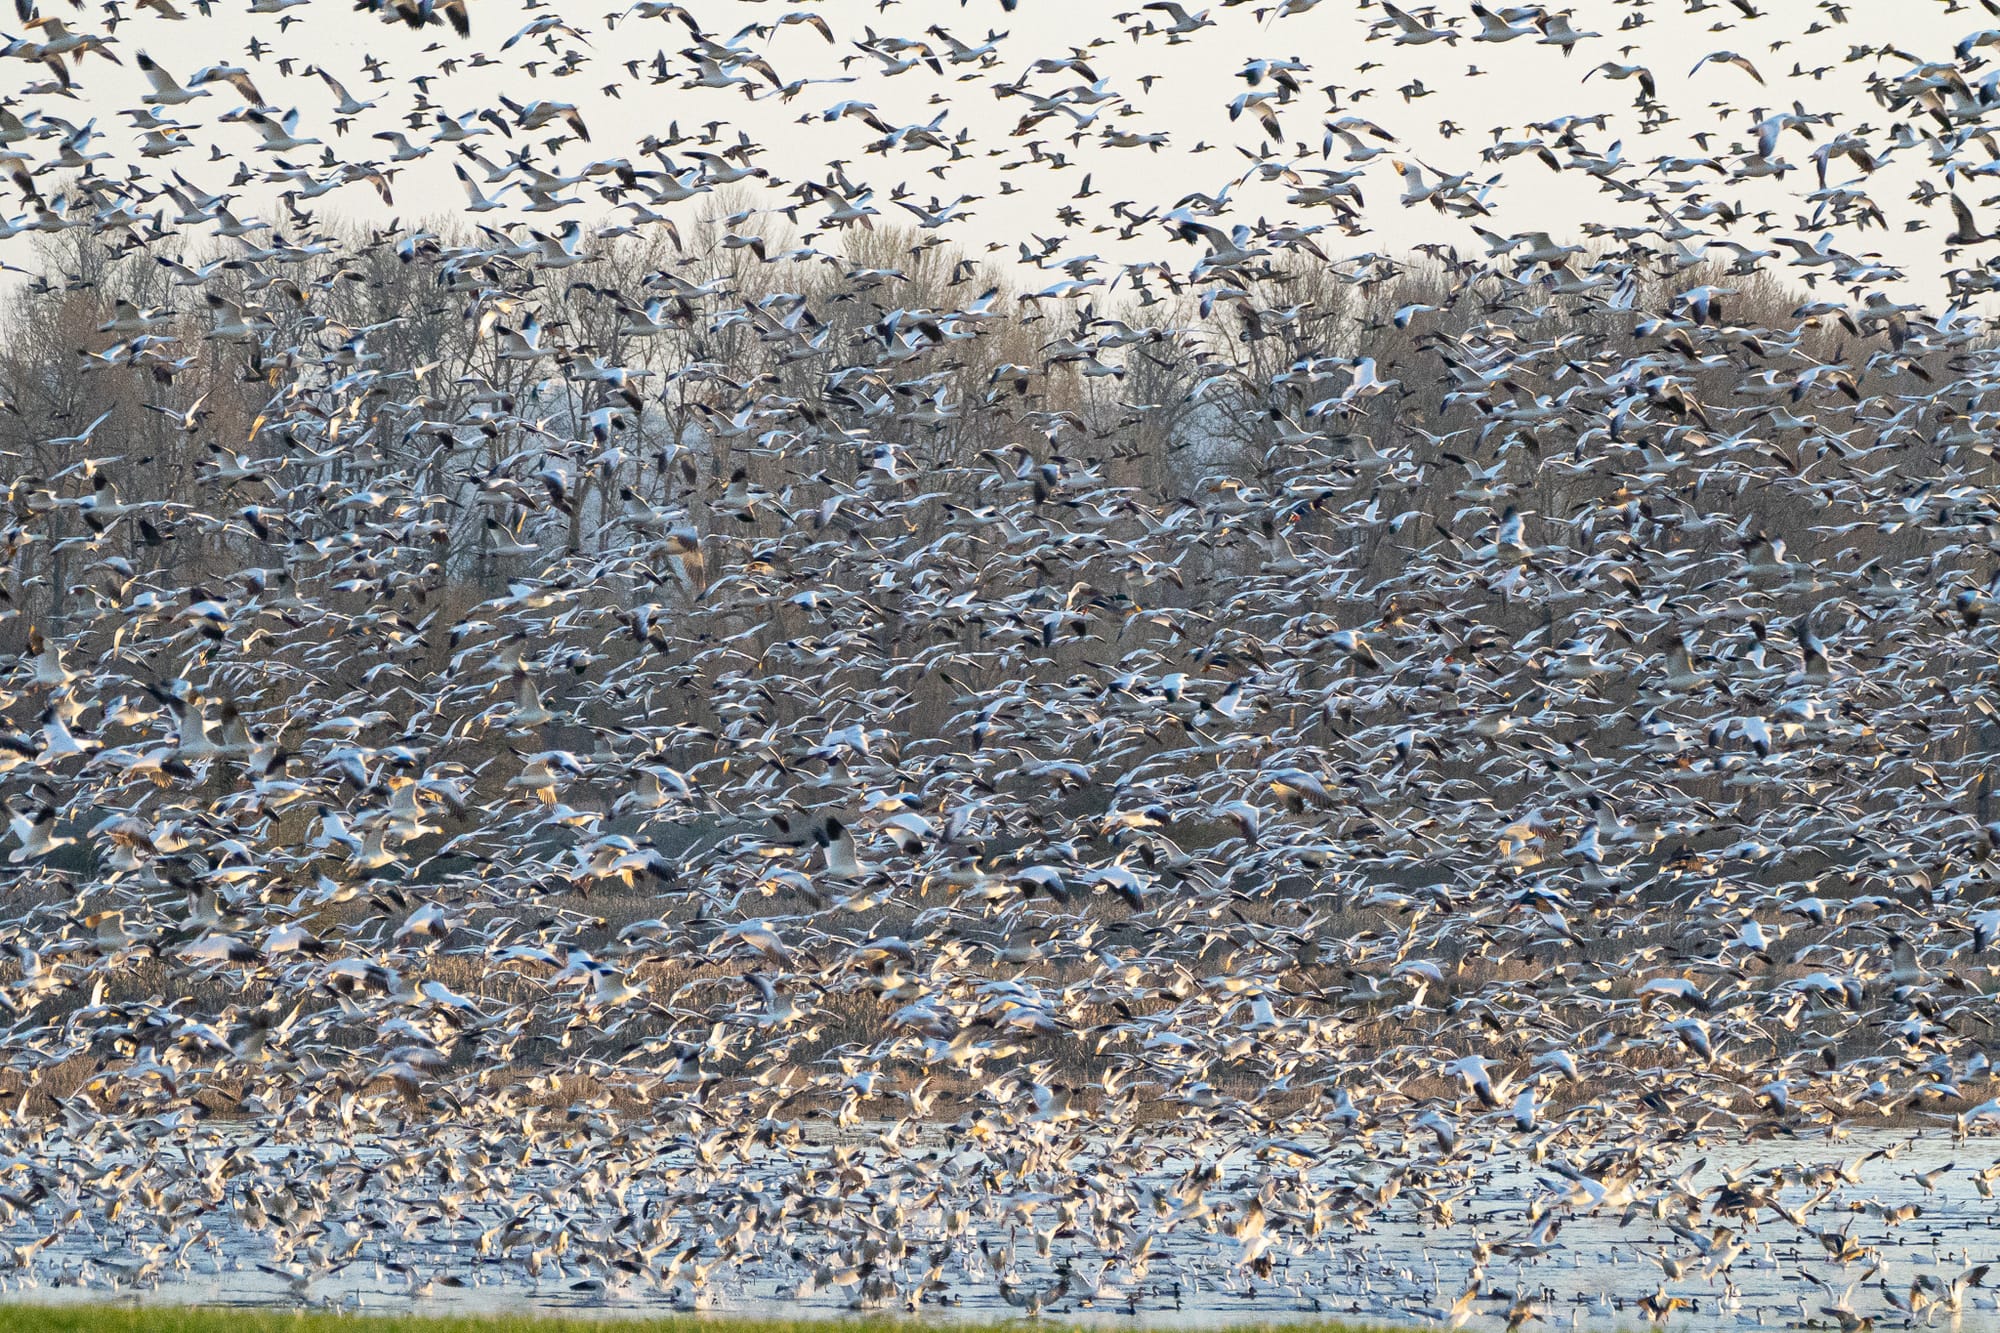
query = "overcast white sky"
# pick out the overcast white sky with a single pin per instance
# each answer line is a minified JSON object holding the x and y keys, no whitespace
{"x":1442,"y":101}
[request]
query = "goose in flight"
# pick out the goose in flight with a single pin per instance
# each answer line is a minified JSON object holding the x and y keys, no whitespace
{"x":855,"y":694}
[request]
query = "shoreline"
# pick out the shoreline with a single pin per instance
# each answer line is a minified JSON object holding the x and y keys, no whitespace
{"x":100,"y":1316}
